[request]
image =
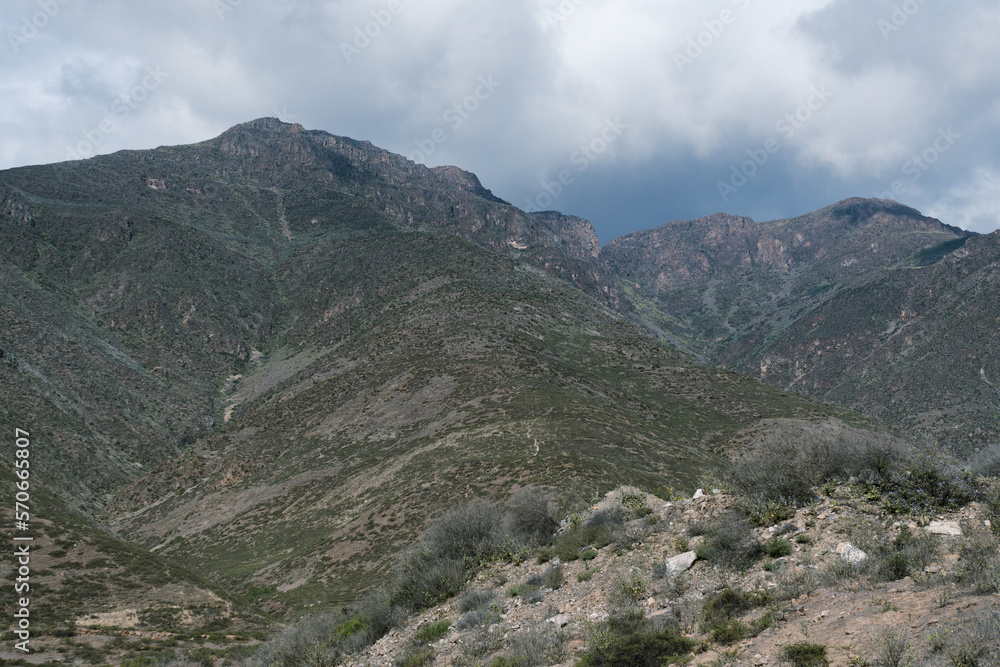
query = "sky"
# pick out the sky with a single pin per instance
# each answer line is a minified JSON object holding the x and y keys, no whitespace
{"x":630,"y":113}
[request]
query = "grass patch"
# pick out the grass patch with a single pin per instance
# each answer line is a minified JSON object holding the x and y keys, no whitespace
{"x":432,"y":631}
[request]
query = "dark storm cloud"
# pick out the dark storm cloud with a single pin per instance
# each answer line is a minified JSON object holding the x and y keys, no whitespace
{"x":628,"y":112}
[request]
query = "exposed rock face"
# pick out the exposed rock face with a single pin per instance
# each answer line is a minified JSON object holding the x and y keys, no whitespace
{"x":866,"y":303}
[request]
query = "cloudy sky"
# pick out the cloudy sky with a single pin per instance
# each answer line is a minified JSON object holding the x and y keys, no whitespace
{"x":627,"y":112}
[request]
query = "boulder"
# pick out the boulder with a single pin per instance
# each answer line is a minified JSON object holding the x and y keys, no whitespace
{"x":560,"y":620}
{"x":680,"y":563}
{"x":950,"y":528}
{"x":851,"y":553}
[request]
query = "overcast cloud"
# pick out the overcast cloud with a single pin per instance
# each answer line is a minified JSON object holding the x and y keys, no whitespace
{"x":648,"y":110}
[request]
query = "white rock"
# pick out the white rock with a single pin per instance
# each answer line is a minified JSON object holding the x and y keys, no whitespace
{"x":950,"y":528}
{"x":680,"y":563}
{"x":851,"y":553}
{"x":560,"y":620}
{"x":700,"y":493}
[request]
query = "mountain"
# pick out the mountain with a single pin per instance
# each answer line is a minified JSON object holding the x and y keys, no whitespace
{"x":268,"y":358}
{"x":866,"y":304}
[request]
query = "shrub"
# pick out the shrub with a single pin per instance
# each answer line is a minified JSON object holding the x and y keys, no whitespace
{"x":554,"y":577}
{"x":481,"y":642}
{"x":731,"y":542}
{"x":423,"y":578}
{"x":600,"y":531}
{"x":892,"y":558}
{"x":629,"y":591}
{"x":645,"y":649}
{"x":531,"y":516}
{"x":777,"y":547}
{"x":891,"y":647}
{"x":468,"y":534}
{"x":794,"y":457}
{"x":991,"y":508}
{"x":803,"y":538}
{"x":764,"y":511}
{"x":805,"y":654}
{"x":432,"y":631}
{"x":720,"y":611}
{"x":415,"y":656}
{"x":477,"y":600}
{"x":536,"y":646}
{"x":986,"y":462}
{"x":980,"y":561}
{"x":586,"y":574}
{"x":977,"y":645}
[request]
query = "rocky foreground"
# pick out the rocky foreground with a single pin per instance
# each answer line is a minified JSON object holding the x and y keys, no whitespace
{"x":930,"y":603}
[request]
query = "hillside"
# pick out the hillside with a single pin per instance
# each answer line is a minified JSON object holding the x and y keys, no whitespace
{"x":865,"y":304}
{"x":270,"y":357}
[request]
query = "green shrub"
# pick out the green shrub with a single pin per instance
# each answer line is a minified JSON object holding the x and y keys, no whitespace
{"x":586,"y":575}
{"x":891,"y":647}
{"x":777,"y":547}
{"x":554,"y":577}
{"x":644,"y":649}
{"x":432,"y":631}
{"x":720,"y":610}
{"x":349,"y":627}
{"x":805,"y":654}
{"x":980,"y":561}
{"x":763,"y":511}
{"x":892,"y":558}
{"x":731,"y":542}
{"x":416,"y":656}
{"x":598,"y":532}
{"x":803,"y":538}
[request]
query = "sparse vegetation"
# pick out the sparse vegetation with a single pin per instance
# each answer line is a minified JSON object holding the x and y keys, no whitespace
{"x":805,"y":654}
{"x":731,"y":542}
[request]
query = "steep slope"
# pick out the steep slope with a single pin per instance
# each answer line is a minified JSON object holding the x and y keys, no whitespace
{"x":818,"y":304}
{"x":271,"y":356}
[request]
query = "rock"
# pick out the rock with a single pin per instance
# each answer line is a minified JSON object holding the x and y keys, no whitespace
{"x":560,"y":620}
{"x":700,"y":493}
{"x":555,"y":562}
{"x":950,"y":528}
{"x":759,"y":660}
{"x":851,"y":553}
{"x":680,"y":563}
{"x":779,"y":616}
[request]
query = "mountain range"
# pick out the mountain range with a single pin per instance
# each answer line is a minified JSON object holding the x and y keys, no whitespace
{"x":262,"y":361}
